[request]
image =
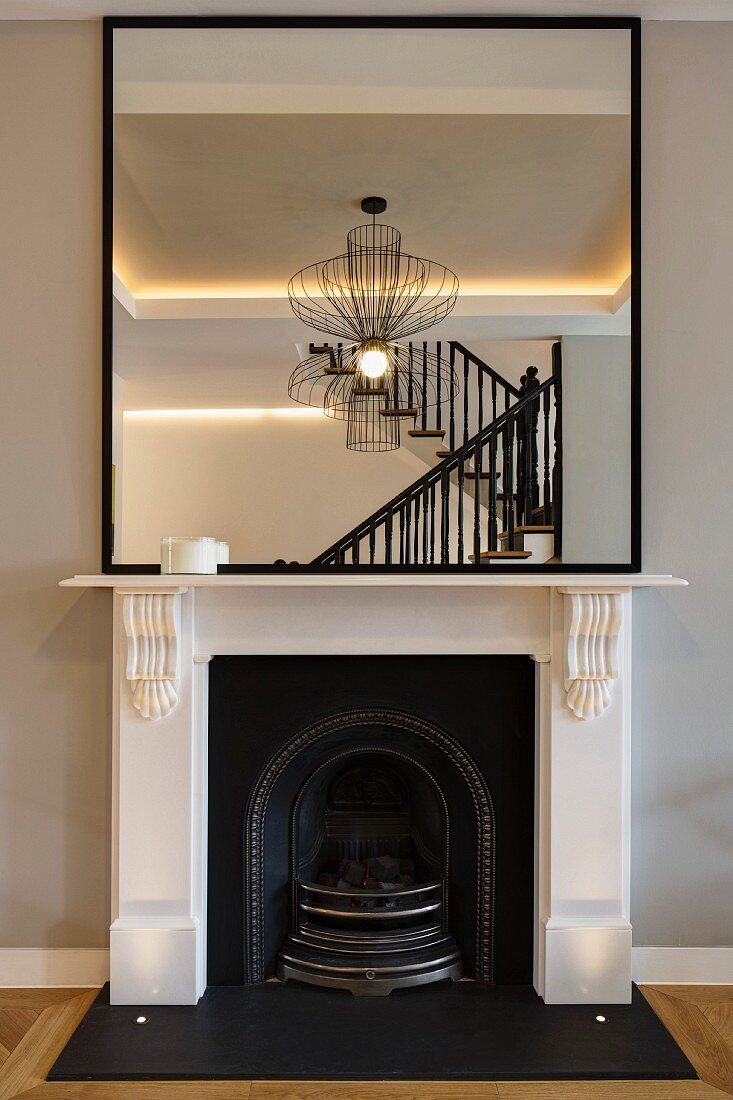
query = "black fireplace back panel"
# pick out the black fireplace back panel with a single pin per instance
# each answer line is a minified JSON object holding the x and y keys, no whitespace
{"x":486,"y":703}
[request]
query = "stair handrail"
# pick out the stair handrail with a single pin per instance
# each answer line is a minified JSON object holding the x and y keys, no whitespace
{"x":437,"y":473}
{"x":473,"y":358}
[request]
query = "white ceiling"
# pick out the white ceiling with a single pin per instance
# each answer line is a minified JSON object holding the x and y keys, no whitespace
{"x":401,"y":71}
{"x":503,"y":200}
{"x":94,"y":9}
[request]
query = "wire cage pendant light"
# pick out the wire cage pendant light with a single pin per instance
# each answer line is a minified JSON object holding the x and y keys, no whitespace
{"x":372,"y":296}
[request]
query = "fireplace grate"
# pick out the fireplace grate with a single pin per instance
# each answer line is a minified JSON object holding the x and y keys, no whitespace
{"x":370,"y":942}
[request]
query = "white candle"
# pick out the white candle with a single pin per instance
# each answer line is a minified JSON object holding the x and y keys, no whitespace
{"x":188,"y":554}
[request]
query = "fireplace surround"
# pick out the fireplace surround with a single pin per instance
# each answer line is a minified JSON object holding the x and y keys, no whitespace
{"x":576,"y":630}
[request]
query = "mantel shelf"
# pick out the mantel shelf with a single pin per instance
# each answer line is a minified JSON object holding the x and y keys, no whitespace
{"x":153,"y":581}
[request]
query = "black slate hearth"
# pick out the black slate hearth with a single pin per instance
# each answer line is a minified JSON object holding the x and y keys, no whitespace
{"x":452,"y":1031}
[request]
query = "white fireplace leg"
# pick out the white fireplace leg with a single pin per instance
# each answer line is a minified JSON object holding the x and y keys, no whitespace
{"x":157,"y":947}
{"x":583,"y":934}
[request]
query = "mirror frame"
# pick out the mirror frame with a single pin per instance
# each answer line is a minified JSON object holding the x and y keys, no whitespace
{"x":632,"y":24}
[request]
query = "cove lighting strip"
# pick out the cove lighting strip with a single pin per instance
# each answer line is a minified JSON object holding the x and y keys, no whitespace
{"x":220,"y":414}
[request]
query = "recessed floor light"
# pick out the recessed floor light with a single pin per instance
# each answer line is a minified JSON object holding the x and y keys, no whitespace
{"x":141,"y":1020}
{"x":600,"y":1019}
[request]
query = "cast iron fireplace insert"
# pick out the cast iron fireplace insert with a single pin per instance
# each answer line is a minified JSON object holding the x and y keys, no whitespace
{"x":371,"y":820}
{"x":370,"y":877}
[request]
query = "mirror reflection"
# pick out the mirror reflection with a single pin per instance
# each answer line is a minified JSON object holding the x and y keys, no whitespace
{"x":372,"y":295}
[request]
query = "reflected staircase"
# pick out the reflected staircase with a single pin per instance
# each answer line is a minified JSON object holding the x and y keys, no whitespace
{"x":495,"y":493}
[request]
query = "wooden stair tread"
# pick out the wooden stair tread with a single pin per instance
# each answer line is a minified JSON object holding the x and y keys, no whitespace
{"x":378,"y":391}
{"x":532,"y":529}
{"x":427,"y":433}
{"x":471,"y":475}
{"x":489,"y":555}
{"x":339,"y":370}
{"x":398,"y":412}
{"x":443,"y":454}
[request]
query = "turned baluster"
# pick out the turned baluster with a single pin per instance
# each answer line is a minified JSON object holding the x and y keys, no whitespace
{"x":504,"y":475}
{"x":444,"y":524}
{"x":438,"y":393}
{"x":533,"y":410}
{"x":477,"y":460}
{"x":409,"y":376}
{"x":424,"y":524}
{"x":465,"y":398}
{"x":509,"y":481}
{"x":521,"y":419}
{"x":461,"y":478}
{"x":452,"y":401}
{"x":396,"y":381}
{"x":546,"y":504}
{"x":424,"y":385}
{"x":493,"y":531}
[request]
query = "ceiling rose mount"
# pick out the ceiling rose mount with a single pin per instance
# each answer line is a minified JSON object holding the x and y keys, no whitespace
{"x":374,"y":205}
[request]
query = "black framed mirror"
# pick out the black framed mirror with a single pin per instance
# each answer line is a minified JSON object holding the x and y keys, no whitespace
{"x":371,"y":293}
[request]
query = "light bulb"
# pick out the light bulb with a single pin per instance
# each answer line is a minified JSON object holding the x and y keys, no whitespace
{"x":373,"y":362}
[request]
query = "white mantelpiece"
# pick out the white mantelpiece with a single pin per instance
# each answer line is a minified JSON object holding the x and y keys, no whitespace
{"x":577,"y":628}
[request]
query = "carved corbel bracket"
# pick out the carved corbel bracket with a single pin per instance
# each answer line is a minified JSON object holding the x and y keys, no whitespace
{"x":151,"y":622}
{"x":592,"y":627}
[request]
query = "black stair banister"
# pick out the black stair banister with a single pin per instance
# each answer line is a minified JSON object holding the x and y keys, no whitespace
{"x":515,"y":428}
{"x":475,"y":376}
{"x":473,"y":383}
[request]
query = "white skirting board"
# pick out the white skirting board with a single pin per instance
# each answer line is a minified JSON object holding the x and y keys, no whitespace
{"x":682,"y":965}
{"x":89,"y":966}
{"x":53,"y":967}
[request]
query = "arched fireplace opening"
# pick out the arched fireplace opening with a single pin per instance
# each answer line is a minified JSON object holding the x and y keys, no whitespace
{"x":426,"y":767}
{"x":370,"y":877}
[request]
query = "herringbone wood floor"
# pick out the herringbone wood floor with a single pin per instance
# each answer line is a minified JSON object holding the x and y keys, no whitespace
{"x":36,"y":1023}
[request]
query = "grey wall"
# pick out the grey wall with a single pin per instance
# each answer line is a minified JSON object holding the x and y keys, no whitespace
{"x":54,"y":645}
{"x":54,"y":664}
{"x":683,"y":721}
